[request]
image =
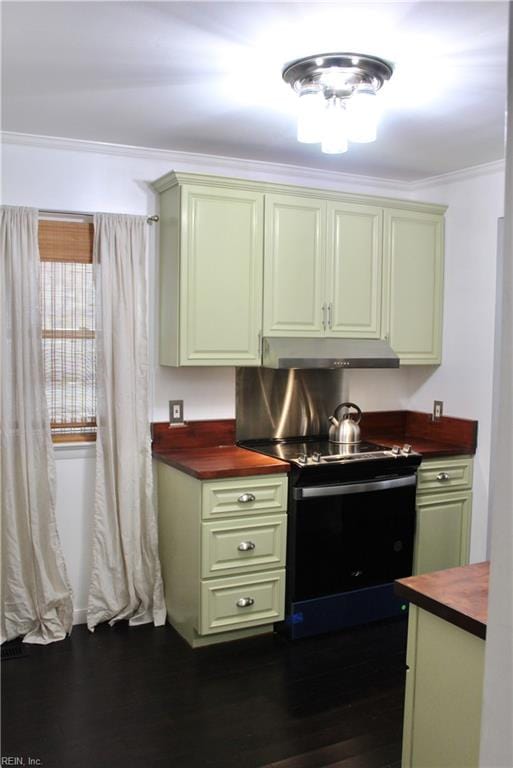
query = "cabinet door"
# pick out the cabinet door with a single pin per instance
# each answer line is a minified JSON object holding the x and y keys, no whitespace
{"x":442,"y":537}
{"x":221,"y":276}
{"x":294,"y":266}
{"x":353,"y":275}
{"x":444,"y":694}
{"x":413,"y":297}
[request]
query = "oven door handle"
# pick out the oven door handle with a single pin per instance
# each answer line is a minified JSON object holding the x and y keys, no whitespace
{"x":344,"y":489}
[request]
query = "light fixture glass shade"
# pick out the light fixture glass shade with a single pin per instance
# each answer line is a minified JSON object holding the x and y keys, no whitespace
{"x":334,"y":135}
{"x":363,"y":112}
{"x":337,"y":97}
{"x":310,"y":117}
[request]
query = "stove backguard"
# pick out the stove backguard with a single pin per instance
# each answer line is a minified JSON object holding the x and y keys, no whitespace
{"x":274,"y":404}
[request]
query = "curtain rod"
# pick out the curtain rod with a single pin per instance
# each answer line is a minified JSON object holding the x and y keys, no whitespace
{"x":150,"y":219}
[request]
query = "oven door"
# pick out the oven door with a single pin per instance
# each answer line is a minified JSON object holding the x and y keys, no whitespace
{"x":351,"y":536}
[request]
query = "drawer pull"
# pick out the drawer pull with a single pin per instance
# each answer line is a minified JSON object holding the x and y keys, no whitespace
{"x":246,"y":497}
{"x":245,"y":602}
{"x":246,"y":546}
{"x":442,"y":477}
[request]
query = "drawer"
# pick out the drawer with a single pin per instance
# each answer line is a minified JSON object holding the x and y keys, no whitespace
{"x":261,"y":597}
{"x":445,"y":474}
{"x":243,"y":544}
{"x":250,"y":495}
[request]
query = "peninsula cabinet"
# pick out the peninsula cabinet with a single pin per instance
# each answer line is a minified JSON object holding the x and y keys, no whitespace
{"x":445,"y":666}
{"x":322,"y":267}
{"x":210,"y":275}
{"x":413,"y":285}
{"x":444,"y":693}
{"x":222,"y":547}
{"x":444,"y":508}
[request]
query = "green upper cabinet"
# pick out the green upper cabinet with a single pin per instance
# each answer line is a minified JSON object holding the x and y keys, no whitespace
{"x":295,"y":246}
{"x":353,"y":274}
{"x":322,"y":267}
{"x":241,"y":259}
{"x":413,"y":285}
{"x":211,"y":276}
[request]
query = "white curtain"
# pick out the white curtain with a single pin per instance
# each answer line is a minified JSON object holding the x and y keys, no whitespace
{"x":126,"y":581}
{"x":36,"y":597}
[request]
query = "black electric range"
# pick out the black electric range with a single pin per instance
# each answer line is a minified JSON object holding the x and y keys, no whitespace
{"x":350,"y":533}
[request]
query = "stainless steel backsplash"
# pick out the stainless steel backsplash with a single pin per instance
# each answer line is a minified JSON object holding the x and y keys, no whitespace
{"x":285,"y":403}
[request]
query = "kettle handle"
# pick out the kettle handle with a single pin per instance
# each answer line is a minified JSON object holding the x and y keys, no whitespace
{"x":349,"y":405}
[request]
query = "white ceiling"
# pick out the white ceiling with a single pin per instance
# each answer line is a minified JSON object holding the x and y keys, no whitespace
{"x":206,"y":77}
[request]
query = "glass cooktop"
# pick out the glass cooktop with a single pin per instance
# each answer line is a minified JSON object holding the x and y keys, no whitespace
{"x":318,"y":450}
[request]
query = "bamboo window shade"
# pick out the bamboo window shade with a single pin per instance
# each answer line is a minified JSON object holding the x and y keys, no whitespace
{"x":68,"y":327}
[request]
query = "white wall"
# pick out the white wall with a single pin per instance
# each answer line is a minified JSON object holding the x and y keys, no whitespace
{"x":75,"y":467}
{"x":464,"y":381}
{"x":80,"y":176}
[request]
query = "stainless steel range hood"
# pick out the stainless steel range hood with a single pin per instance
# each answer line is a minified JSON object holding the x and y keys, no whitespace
{"x":279,"y":352}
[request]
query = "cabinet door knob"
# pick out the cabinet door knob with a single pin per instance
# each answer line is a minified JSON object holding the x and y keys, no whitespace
{"x":246,"y":546}
{"x":442,"y":477}
{"x":245,"y":602}
{"x":246,"y":497}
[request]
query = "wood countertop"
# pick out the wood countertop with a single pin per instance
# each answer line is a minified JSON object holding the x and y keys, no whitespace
{"x":214,"y":462}
{"x":207,"y":450}
{"x":458,"y":595}
{"x":446,"y":437}
{"x":431,"y":449}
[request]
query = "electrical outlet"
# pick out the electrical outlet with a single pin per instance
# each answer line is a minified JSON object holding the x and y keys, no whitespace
{"x":438,"y":409}
{"x":176,"y":411}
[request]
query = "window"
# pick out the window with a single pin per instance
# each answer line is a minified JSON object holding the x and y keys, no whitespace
{"x":68,"y":325}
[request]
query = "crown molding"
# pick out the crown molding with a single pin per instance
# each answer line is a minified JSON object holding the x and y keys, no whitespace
{"x":202,"y":163}
{"x":472,"y":172}
{"x":254,"y":169}
{"x":177,"y":178}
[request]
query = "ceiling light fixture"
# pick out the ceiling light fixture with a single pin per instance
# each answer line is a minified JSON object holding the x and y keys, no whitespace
{"x":337,"y":98}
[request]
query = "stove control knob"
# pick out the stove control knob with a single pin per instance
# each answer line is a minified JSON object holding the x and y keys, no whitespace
{"x":316,"y":456}
{"x":396,"y":450}
{"x":406,"y":448}
{"x":302,"y":458}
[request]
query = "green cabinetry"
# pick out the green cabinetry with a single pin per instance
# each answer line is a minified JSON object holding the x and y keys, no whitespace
{"x":210,"y":275}
{"x":444,"y":510}
{"x":323,"y":263}
{"x":444,"y":684}
{"x":413,"y":285}
{"x":242,"y":259}
{"x":222,"y":552}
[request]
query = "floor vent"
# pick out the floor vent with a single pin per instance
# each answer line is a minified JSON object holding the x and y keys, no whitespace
{"x":15,"y":651}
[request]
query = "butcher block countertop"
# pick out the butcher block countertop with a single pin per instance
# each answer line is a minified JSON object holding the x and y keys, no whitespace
{"x":445,"y":437}
{"x":221,"y":461}
{"x":458,"y":595}
{"x":207,"y":449}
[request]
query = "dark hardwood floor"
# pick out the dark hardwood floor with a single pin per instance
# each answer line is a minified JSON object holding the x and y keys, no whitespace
{"x":141,"y":697}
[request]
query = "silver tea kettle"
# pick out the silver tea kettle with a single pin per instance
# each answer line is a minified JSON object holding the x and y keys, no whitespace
{"x":344,"y":429}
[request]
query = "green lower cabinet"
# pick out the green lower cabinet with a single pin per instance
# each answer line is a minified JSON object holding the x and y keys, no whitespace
{"x":241,"y":602}
{"x":444,"y":685}
{"x":222,"y":547}
{"x":442,"y":537}
{"x":443,"y":531}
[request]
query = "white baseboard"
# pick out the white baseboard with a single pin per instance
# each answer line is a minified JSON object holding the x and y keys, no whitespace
{"x":80,"y":616}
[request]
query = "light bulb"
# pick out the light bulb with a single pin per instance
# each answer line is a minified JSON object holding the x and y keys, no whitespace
{"x":363,"y":112}
{"x":310,"y":117}
{"x":334,"y":135}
